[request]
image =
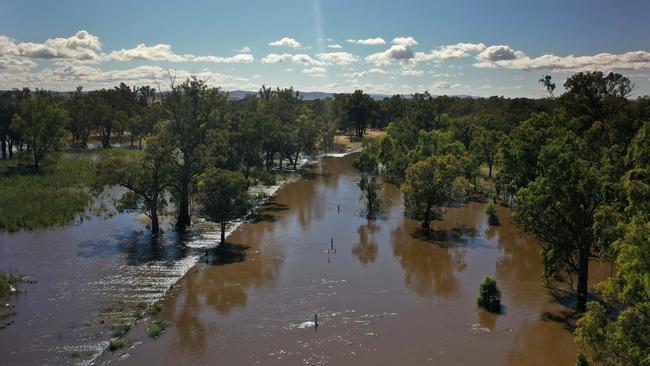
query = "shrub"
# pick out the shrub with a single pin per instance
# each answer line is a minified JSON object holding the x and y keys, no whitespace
{"x":489,"y":296}
{"x":6,"y":282}
{"x":115,"y":344}
{"x":582,"y":360}
{"x":491,"y":211}
{"x":154,"y":330}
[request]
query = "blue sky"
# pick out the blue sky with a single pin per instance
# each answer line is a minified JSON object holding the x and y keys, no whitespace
{"x":446,"y":47}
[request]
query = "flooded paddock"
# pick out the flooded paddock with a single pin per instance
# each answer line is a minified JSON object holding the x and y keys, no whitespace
{"x":387,"y":294}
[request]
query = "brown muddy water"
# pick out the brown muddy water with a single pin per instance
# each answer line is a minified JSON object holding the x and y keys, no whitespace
{"x":387,"y":294}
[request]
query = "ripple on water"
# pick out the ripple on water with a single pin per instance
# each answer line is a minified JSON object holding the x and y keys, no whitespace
{"x":135,"y":286}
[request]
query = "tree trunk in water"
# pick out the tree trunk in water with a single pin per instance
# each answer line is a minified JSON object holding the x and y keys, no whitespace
{"x":132,"y":139}
{"x":223,"y":233}
{"x":11,"y":149}
{"x":183,"y":220}
{"x":583,"y":274}
{"x":140,"y":144}
{"x":295,"y":161}
{"x":4,"y":148}
{"x":84,"y":141}
{"x":281,"y":158}
{"x":155,"y":227}
{"x":427,"y":216}
{"x":106,"y":142}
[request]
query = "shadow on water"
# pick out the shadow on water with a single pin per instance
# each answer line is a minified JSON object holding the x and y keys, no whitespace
{"x":310,"y":175}
{"x":449,"y":237}
{"x":226,"y":254}
{"x":139,"y":246}
{"x":266,"y":212}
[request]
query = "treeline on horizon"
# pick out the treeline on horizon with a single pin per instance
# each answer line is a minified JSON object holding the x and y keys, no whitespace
{"x":574,"y":167}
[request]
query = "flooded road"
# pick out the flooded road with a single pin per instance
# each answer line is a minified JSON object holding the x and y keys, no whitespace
{"x":388,"y":294}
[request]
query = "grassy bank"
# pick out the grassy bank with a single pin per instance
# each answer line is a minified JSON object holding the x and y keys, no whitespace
{"x":51,"y":196}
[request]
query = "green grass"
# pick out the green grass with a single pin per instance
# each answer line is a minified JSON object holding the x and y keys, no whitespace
{"x":52,"y":196}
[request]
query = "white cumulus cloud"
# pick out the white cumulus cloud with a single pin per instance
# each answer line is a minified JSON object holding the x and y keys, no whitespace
{"x":367,"y":42}
{"x":285,"y":42}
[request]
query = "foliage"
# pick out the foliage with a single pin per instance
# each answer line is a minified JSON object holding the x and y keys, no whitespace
{"x":491,"y":211}
{"x":7,"y":280}
{"x":223,"y":195}
{"x":432,"y":181}
{"x":147,"y":177}
{"x":489,"y":295}
{"x":154,"y":330}
{"x":368,"y":167}
{"x":116,"y":343}
{"x":41,"y":124}
{"x":559,"y":207}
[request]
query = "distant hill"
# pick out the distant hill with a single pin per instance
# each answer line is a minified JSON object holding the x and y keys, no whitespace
{"x":239,"y":94}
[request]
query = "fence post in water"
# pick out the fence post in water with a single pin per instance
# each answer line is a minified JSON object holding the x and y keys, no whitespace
{"x":332,"y":244}
{"x":316,"y":320}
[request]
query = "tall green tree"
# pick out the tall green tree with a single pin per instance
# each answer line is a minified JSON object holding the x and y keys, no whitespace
{"x":193,"y":109}
{"x":147,"y":177}
{"x":41,"y":123}
{"x":434,"y":181}
{"x":368,"y":167}
{"x":559,"y":207}
{"x":486,"y":145}
{"x":223,"y":196}
{"x":359,"y":109}
{"x":615,"y":330}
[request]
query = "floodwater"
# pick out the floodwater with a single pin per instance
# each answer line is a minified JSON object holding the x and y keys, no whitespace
{"x":386,"y":294}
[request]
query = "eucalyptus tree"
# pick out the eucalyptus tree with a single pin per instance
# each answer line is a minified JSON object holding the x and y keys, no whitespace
{"x":41,"y":123}
{"x":559,"y":207}
{"x":147,"y":177}
{"x":193,"y":108}
{"x":433,"y":181}
{"x":368,"y":167}
{"x":223,"y":196}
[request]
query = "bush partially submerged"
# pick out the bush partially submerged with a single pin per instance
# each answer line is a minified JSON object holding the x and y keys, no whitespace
{"x":489,"y":296}
{"x":115,"y":344}
{"x":155,"y":330}
{"x":491,"y":211}
{"x":7,"y":284}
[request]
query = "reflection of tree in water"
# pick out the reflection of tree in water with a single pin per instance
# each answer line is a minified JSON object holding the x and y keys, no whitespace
{"x":520,"y":262}
{"x":366,"y":250}
{"x":221,"y":287}
{"x":429,"y":268}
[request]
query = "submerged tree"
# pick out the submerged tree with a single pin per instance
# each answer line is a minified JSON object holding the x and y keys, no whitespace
{"x":192,"y":108}
{"x":368,"y":167}
{"x":615,"y":329}
{"x":223,"y":195}
{"x":434,"y":181}
{"x":559,"y":208}
{"x":489,"y":295}
{"x":147,"y":178}
{"x":41,"y":124}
